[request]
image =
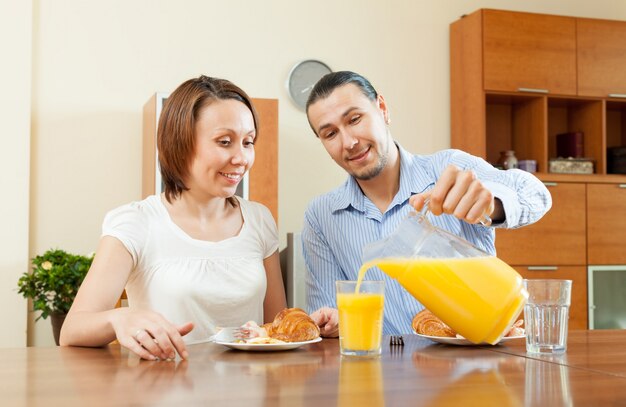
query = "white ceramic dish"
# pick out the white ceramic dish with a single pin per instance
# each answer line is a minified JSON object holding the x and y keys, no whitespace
{"x":463,"y":341}
{"x":266,"y":347}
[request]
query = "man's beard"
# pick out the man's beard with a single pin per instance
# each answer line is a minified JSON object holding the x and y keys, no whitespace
{"x":368,"y":174}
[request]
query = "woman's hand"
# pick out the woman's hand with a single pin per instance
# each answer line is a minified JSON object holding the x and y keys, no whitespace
{"x":328,"y":321}
{"x":149,"y":335}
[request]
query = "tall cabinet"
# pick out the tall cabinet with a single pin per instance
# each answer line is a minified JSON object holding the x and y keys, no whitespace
{"x":518,"y":80}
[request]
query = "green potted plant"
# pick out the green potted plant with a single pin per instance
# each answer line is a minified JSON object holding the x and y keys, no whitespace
{"x":53,"y":283}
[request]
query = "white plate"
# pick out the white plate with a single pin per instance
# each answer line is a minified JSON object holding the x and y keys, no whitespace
{"x":464,"y":342}
{"x":266,"y":347}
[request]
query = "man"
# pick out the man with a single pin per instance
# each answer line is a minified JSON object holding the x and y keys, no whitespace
{"x":385,"y":183}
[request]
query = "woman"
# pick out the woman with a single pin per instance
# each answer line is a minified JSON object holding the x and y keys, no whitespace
{"x":195,"y":257}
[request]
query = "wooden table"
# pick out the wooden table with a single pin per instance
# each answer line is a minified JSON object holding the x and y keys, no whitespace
{"x":591,"y":373}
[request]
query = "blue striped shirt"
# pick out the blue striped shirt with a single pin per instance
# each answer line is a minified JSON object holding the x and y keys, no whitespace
{"x":339,"y":224}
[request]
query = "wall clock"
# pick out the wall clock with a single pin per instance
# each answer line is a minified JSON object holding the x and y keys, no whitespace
{"x":303,"y":76}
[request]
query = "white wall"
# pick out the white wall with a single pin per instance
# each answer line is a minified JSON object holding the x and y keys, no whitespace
{"x":95,"y":63}
{"x":15,"y":82}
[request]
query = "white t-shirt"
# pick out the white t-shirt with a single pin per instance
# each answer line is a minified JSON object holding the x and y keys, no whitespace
{"x":212,"y":284}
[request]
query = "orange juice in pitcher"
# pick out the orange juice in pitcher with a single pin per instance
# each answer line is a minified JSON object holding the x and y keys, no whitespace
{"x":476,"y":294}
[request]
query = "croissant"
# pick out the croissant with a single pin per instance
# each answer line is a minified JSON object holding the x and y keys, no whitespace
{"x":292,"y":325}
{"x":516,"y":329}
{"x":426,"y":323}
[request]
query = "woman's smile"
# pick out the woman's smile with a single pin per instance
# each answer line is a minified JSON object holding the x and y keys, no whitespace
{"x":232,"y":177}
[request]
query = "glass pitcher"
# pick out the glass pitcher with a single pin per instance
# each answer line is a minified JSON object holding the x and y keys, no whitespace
{"x":476,"y":294}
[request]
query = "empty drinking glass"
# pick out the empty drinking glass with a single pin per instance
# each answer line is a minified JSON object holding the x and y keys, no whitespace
{"x":546,"y":313}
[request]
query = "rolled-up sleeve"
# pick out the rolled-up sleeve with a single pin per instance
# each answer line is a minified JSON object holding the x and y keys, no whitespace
{"x":524,"y":197}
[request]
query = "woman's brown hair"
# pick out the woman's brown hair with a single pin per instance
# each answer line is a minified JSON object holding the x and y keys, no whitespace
{"x":176,"y":139}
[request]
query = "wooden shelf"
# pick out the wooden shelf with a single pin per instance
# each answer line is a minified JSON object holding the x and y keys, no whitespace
{"x":586,"y":178}
{"x":516,"y":122}
{"x":578,"y":115}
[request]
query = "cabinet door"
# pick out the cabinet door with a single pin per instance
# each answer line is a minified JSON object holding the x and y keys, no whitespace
{"x":578,"y":274}
{"x":556,"y":239}
{"x":264,"y":175}
{"x":601,"y":57}
{"x":529,"y":51}
{"x":606,"y":226}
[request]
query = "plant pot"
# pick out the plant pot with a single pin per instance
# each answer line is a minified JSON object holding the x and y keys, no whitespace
{"x":57,"y":322}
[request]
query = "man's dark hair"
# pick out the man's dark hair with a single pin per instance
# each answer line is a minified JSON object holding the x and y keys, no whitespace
{"x":329,"y":82}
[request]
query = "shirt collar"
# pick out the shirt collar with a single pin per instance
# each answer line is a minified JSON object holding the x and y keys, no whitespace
{"x":415,"y":177}
{"x":350,"y":194}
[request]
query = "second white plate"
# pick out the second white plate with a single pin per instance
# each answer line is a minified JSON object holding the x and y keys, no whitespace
{"x":463,"y":341}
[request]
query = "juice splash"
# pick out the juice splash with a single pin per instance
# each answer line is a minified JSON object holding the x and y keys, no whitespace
{"x":478,"y":297}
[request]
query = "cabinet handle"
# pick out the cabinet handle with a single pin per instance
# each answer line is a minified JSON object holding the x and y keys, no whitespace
{"x":621,"y":186}
{"x":532,"y":90}
{"x":542,"y":268}
{"x":550,"y":184}
{"x":617,"y":95}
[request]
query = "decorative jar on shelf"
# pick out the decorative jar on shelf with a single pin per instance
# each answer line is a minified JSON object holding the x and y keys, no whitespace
{"x":507,"y":159}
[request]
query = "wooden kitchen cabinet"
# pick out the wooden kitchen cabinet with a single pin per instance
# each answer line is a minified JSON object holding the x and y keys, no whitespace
{"x":601,"y":55}
{"x":555,"y":240}
{"x":576,"y":68}
{"x":495,"y":56}
{"x":516,"y":52}
{"x":578,"y":312}
{"x":526,"y":51}
{"x":606,"y":223}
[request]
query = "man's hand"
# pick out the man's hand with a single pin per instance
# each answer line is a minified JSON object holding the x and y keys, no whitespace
{"x":328,"y":321}
{"x":459,"y":193}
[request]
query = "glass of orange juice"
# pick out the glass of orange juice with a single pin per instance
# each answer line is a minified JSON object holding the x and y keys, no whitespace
{"x":360,"y":317}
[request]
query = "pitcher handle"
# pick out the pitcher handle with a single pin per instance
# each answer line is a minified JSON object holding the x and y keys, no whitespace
{"x":484,"y":220}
